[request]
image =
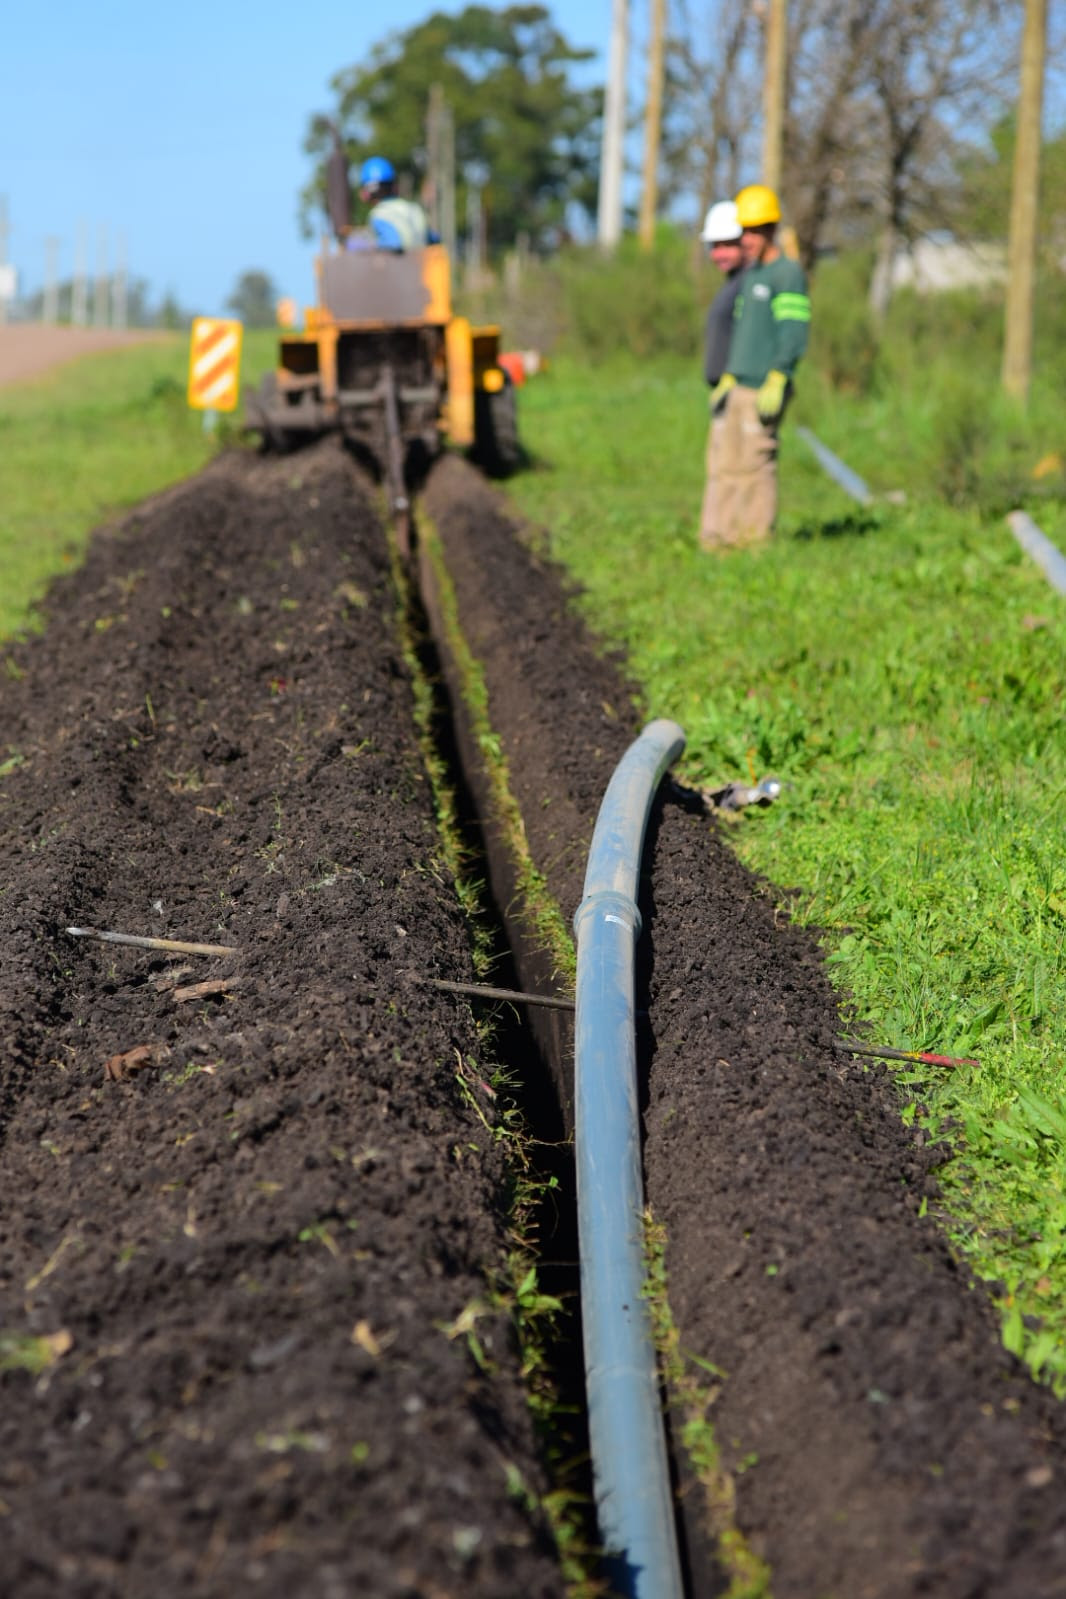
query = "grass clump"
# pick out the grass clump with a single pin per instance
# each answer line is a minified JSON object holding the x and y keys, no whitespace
{"x":692,"y":1386}
{"x":539,"y":909}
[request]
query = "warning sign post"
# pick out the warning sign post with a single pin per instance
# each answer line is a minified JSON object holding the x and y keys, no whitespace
{"x":215,"y":363}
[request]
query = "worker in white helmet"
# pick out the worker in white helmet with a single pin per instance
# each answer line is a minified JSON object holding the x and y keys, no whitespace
{"x":721,"y":233}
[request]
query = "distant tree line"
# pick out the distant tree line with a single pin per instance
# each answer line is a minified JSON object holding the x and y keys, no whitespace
{"x":140,"y":312}
{"x":253,"y":300}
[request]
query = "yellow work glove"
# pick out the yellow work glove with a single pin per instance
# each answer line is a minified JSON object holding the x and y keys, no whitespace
{"x":720,"y":390}
{"x":770,"y":398}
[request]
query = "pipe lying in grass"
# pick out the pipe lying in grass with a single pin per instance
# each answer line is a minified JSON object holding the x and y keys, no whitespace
{"x":849,"y":481}
{"x":1036,"y":543}
{"x":628,"y":1443}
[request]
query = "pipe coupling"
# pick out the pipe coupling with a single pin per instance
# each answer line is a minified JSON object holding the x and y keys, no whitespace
{"x":608,"y":906}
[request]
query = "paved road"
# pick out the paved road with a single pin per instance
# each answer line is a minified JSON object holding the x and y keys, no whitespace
{"x":29,"y":348}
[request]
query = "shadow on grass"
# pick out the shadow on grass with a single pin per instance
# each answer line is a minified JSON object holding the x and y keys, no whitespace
{"x":856,"y":524}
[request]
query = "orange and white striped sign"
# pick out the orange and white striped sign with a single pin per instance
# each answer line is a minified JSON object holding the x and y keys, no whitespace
{"x":214,"y":363}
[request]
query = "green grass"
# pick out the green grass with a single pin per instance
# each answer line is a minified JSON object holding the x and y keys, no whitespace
{"x":903,"y":671}
{"x":85,"y":442}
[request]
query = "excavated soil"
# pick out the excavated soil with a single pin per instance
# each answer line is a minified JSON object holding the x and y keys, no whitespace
{"x":246,"y":1342}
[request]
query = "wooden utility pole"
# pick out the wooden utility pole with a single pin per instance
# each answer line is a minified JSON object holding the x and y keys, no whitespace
{"x":612,"y":150}
{"x":1021,"y":250}
{"x":4,"y":268}
{"x":50,"y":300}
{"x":447,"y":171}
{"x":120,"y":286}
{"x":773,"y":94}
{"x":653,"y":121}
{"x":431,"y":189}
{"x":100,"y":284}
{"x":79,"y":294}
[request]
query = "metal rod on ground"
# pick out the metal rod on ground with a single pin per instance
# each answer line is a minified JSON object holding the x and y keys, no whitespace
{"x":848,"y":1048}
{"x":1047,"y":556}
{"x":176,"y":946}
{"x":849,"y":481}
{"x":560,"y":1002}
{"x":483,"y":991}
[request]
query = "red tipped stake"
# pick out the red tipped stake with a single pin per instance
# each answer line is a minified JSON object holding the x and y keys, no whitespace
{"x":884,"y":1053}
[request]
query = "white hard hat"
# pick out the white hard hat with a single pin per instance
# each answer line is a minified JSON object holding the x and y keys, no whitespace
{"x":721,"y":224}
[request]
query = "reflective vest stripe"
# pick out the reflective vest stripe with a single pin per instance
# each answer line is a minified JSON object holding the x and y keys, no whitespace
{"x":791,"y":308}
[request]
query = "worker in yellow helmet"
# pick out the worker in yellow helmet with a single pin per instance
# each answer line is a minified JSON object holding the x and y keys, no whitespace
{"x":721,"y":234}
{"x":771,"y":322}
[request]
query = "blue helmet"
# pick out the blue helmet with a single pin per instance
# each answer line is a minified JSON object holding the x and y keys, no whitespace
{"x":376,"y":170}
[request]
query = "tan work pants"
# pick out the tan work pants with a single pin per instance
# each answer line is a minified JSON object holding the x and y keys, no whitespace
{"x":740,"y":500}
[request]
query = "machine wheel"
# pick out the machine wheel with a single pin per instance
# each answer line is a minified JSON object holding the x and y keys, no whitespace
{"x":496,"y":446}
{"x":262,"y":410}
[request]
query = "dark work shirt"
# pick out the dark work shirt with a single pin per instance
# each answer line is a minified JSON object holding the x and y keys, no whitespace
{"x":720,"y":329}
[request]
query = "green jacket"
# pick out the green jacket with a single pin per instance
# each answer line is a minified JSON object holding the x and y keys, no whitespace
{"x":770,"y":321}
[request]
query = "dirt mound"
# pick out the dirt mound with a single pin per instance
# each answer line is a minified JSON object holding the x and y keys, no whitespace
{"x":260,"y":1247}
{"x":246,"y":1334}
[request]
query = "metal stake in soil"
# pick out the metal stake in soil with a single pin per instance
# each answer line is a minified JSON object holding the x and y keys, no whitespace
{"x":176,"y":946}
{"x":846,"y":1047}
{"x":483,"y":991}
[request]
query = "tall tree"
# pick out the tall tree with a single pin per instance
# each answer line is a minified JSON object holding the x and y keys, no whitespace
{"x":882,"y":93}
{"x":524,"y":133}
{"x":935,"y":64}
{"x":832,"y":161}
{"x":712,"y":84}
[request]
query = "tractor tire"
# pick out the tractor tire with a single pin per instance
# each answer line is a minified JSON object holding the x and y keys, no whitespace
{"x":496,"y":446}
{"x":265,"y":414}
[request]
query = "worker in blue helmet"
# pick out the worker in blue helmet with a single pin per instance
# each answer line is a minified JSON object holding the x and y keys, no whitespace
{"x":396,"y":224}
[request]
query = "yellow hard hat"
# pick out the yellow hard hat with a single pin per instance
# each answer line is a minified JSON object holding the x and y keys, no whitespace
{"x":757,"y":206}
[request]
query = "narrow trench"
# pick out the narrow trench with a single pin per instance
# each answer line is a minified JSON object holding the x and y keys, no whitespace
{"x":564,"y":1432}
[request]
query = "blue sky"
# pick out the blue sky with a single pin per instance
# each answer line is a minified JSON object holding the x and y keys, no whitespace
{"x":179,"y":128}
